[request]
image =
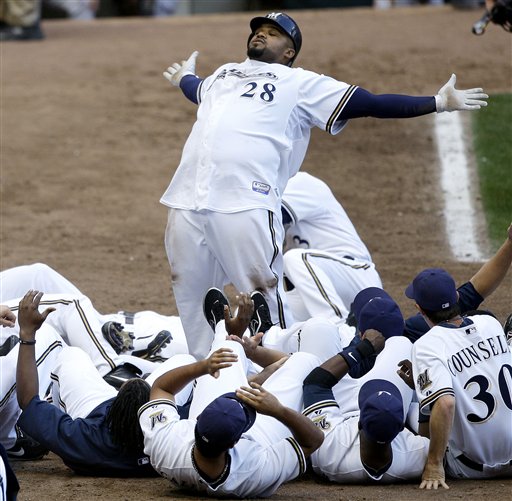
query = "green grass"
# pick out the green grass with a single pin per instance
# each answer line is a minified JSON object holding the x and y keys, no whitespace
{"x":492,"y":131}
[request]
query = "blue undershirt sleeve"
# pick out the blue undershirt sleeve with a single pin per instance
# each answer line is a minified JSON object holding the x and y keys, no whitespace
{"x":365,"y":104}
{"x":189,"y":85}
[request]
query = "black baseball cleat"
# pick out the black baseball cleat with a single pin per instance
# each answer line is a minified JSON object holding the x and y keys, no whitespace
{"x":26,"y":448}
{"x":8,"y":345}
{"x":213,"y":306}
{"x":118,"y":338}
{"x":122,"y":373}
{"x":260,"y":320}
{"x":162,"y":339}
{"x":507,"y":328}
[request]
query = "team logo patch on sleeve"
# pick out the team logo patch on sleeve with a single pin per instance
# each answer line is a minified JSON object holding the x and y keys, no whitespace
{"x":262,"y":188}
{"x":320,"y":421}
{"x":423,"y":380}
{"x":157,"y":417}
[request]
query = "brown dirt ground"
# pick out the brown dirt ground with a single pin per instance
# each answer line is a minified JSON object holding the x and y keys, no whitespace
{"x":91,"y":134}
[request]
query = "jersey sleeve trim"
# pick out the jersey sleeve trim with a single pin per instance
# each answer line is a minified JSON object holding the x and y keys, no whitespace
{"x":198,"y":92}
{"x":152,"y":403}
{"x":324,"y":404}
{"x":339,"y":108}
{"x":425,"y":404}
{"x":300,"y":454}
{"x":290,"y":211}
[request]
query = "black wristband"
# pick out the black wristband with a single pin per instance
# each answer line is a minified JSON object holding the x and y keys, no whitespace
{"x":365,"y":348}
{"x":30,"y":343}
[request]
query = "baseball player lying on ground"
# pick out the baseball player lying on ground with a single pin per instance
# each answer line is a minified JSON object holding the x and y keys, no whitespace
{"x":325,"y":261}
{"x":99,"y":433}
{"x":241,"y":440}
{"x":370,"y":443}
{"x":252,"y":131}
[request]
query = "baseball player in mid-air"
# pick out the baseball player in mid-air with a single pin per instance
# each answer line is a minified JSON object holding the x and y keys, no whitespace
{"x":251,"y":135}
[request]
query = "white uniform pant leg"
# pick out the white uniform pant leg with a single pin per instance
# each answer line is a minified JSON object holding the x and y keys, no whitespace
{"x":16,"y":282}
{"x":286,"y":385}
{"x":207,"y":387}
{"x":248,"y":246}
{"x":194,"y":269}
{"x":286,"y":340}
{"x":77,"y":322}
{"x":78,"y":387}
{"x":175,"y":361}
{"x":327,"y":284}
{"x":3,"y":480}
{"x":48,"y":346}
{"x":321,"y":338}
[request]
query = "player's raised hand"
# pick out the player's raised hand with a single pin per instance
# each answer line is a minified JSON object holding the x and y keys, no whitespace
{"x":433,"y":476}
{"x":7,"y":317}
{"x":376,"y":339}
{"x":220,"y":359}
{"x":177,"y":71}
{"x":29,"y":316}
{"x":405,"y":372}
{"x":237,"y":325}
{"x":451,"y":99}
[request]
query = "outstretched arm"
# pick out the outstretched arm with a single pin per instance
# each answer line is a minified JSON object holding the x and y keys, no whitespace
{"x":170,"y":383}
{"x":30,"y":320}
{"x":364,"y":104}
{"x":183,"y":76}
{"x":490,"y":275}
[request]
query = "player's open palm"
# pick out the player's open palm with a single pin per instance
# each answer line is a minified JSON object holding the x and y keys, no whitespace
{"x":29,"y":317}
{"x":433,"y":477}
{"x":220,"y":359}
{"x":237,"y":325}
{"x":256,"y":396}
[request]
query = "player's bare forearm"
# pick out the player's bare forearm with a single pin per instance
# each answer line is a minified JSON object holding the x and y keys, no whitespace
{"x":170,"y":383}
{"x":441,"y":422}
{"x":491,"y":274}
{"x":263,"y":375}
{"x":30,"y":320}
{"x":308,"y":436}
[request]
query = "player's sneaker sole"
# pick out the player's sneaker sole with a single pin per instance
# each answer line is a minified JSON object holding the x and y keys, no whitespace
{"x":162,"y":339}
{"x":260,"y":320}
{"x":213,"y":306}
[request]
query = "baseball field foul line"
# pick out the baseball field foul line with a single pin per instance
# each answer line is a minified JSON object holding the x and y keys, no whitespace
{"x":459,"y":210}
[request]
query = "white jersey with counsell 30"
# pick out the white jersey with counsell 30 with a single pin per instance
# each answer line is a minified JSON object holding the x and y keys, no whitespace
{"x":473,"y":363}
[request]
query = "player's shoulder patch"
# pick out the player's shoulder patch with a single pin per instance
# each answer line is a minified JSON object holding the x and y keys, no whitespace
{"x":423,"y":380}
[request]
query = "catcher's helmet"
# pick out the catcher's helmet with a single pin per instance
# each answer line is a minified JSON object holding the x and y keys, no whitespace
{"x":285,"y":23}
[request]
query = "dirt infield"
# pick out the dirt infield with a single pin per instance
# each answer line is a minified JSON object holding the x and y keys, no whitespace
{"x":91,"y":134}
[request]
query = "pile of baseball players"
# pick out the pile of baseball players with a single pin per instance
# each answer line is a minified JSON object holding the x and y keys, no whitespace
{"x":314,"y":364}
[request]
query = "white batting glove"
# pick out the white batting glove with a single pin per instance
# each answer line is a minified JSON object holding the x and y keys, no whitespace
{"x":450,"y":99}
{"x":177,"y":71}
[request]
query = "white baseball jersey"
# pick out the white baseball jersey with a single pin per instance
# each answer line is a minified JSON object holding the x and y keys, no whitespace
{"x":264,"y":458}
{"x":251,"y":135}
{"x":338,"y":458}
{"x":473,"y":363}
{"x":318,"y":220}
{"x":325,"y":259}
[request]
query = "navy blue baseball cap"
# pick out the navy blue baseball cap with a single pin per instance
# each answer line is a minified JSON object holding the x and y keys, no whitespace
{"x":222,"y":423}
{"x":383,"y":315}
{"x":433,"y":289}
{"x":365,"y":296}
{"x":381,"y":410}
